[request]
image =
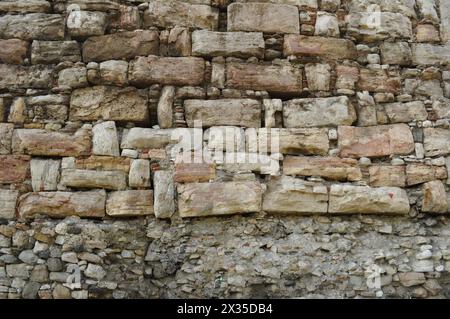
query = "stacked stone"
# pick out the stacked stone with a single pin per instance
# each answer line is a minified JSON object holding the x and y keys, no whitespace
{"x":92,"y":94}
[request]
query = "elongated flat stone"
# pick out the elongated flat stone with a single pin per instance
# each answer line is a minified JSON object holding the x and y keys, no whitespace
{"x":78,"y":178}
{"x":130,"y":203}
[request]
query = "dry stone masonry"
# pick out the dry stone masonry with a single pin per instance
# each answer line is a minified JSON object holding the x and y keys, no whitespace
{"x":224,"y":148}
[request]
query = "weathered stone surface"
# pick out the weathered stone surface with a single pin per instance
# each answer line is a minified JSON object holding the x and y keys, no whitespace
{"x":406,"y":112}
{"x":301,"y":4}
{"x":378,"y":80}
{"x":260,"y":16}
{"x":144,"y":71}
{"x":396,"y":53}
{"x":14,"y":168}
{"x":375,"y":141}
{"x":139,"y":173}
{"x":78,"y":178}
{"x":290,"y":195}
{"x":301,"y":141}
{"x":430,"y":54}
{"x":333,"y":168}
{"x":44,"y":174}
{"x":8,"y":200}
{"x":319,"y":47}
{"x":17,"y":76}
{"x":121,"y":45}
{"x":164,"y":194}
{"x":317,"y":112}
{"x":436,"y":141}
{"x":225,"y":139}
{"x":387,"y":175}
{"x":275,"y":79}
{"x":33,"y":26}
{"x":441,"y":108}
{"x":53,"y":52}
{"x":146,"y":138}
{"x":318,"y":76}
{"x":434,"y":198}
{"x":165,"y":107}
{"x":105,"y":140}
{"x":13,"y":51}
{"x":326,"y":25}
{"x":6,"y":132}
{"x":130,"y":203}
{"x":74,"y":78}
{"x":179,"y":42}
{"x":445,"y":20}
{"x":193,"y":172}
{"x":417,"y":173}
{"x":372,"y":27}
{"x":104,"y":163}
{"x":368,"y":200}
{"x":46,"y":143}
{"x":17,"y":111}
{"x":218,"y":198}
{"x":237,"y":112}
{"x":25,"y":6}
{"x":62,"y":204}
{"x":89,"y":5}
{"x":406,"y":7}
{"x":237,"y":44}
{"x":86,"y":23}
{"x":109,"y":103}
{"x":168,"y":14}
{"x":243,"y":162}
{"x":114,"y":72}
{"x":410,"y":279}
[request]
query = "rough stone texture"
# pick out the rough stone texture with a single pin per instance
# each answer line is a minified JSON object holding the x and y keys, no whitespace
{"x":16,"y":76}
{"x":86,"y":23}
{"x":79,"y":178}
{"x":387,"y":175}
{"x":8,"y":199}
{"x":33,"y":26}
{"x":436,"y":141}
{"x":165,"y":107}
{"x":164,"y":194}
{"x":139,"y":173}
{"x":406,"y":112}
{"x":13,"y":51}
{"x":104,"y":139}
{"x":53,"y":52}
{"x":44,"y":174}
{"x":130,"y":203}
{"x":378,"y":80}
{"x":434,"y":198}
{"x":14,"y":168}
{"x":429,"y":54}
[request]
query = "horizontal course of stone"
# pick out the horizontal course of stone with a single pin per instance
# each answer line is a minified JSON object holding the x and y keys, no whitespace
{"x":93,"y":95}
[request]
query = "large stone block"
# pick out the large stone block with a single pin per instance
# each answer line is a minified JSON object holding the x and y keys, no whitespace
{"x":406,"y":7}
{"x":121,"y":45}
{"x":53,"y":52}
{"x":104,"y":163}
{"x":194,"y":172}
{"x":436,"y":141}
{"x":396,"y":53}
{"x":228,"y":44}
{"x":8,"y":201}
{"x":316,"y":112}
{"x":14,"y":168}
{"x":109,"y":103}
{"x":169,"y":14}
{"x":130,"y":203}
{"x":82,"y":24}
{"x":164,"y":186}
{"x":62,"y":204}
{"x":378,"y":81}
{"x":32,"y":77}
{"x":146,"y":138}
{"x":33,"y":26}
{"x":376,"y":26}
{"x":44,"y":174}
{"x":139,"y":176}
{"x":375,"y":141}
{"x":418,"y":173}
{"x":88,"y":5}
{"x":105,"y":140}
{"x":79,"y":178}
{"x":237,"y":112}
{"x":272,"y":78}
{"x":218,"y":198}
{"x":387,"y":175}
{"x":243,"y":162}
{"x":13,"y":51}
{"x":333,"y":168}
{"x":368,"y":200}
{"x":434,"y":198}
{"x":430,"y":54}
{"x":144,"y":71}
{"x":6,"y":132}
{"x":406,"y":112}
{"x":314,"y":48}
{"x":46,"y":143}
{"x":25,"y":6}
{"x":263,"y":17}
{"x":290,"y":195}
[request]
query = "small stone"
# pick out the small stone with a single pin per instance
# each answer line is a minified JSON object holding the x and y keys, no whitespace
{"x":95,"y":271}
{"x":28,"y":257}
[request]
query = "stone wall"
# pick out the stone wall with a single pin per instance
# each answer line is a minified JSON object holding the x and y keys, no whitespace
{"x":327,"y":122}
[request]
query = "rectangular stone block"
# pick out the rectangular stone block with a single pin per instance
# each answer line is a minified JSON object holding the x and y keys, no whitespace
{"x":444,"y":7}
{"x":406,"y":7}
{"x":44,"y":174}
{"x":430,"y":54}
{"x":242,"y":162}
{"x":333,"y":168}
{"x":272,"y":78}
{"x":372,"y":27}
{"x":121,"y":45}
{"x":14,"y":168}
{"x":78,"y":178}
{"x":263,"y":17}
{"x":89,"y":5}
{"x":317,"y":112}
{"x":300,"y":141}
{"x":290,"y":195}
{"x":25,"y":6}
{"x":436,"y":141}
{"x":169,"y":14}
{"x":387,"y":176}
{"x":8,"y":200}
{"x":301,"y":4}
{"x":144,"y":71}
{"x":218,"y":198}
{"x":6,"y":132}
{"x":104,"y":163}
{"x":109,"y":103}
{"x":378,"y":81}
{"x":33,"y":77}
{"x":228,"y":44}
{"x":146,"y":138}
{"x":375,"y":141}
{"x":130,"y":203}
{"x":368,"y":200}
{"x":13,"y":51}
{"x":406,"y":112}
{"x":316,"y":48}
{"x":46,"y":143}
{"x":54,"y":52}
{"x":236,"y":112}
{"x":194,"y":172}
{"x":163,"y":182}
{"x":89,"y":204}
{"x":418,"y":173}
{"x":33,"y":26}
